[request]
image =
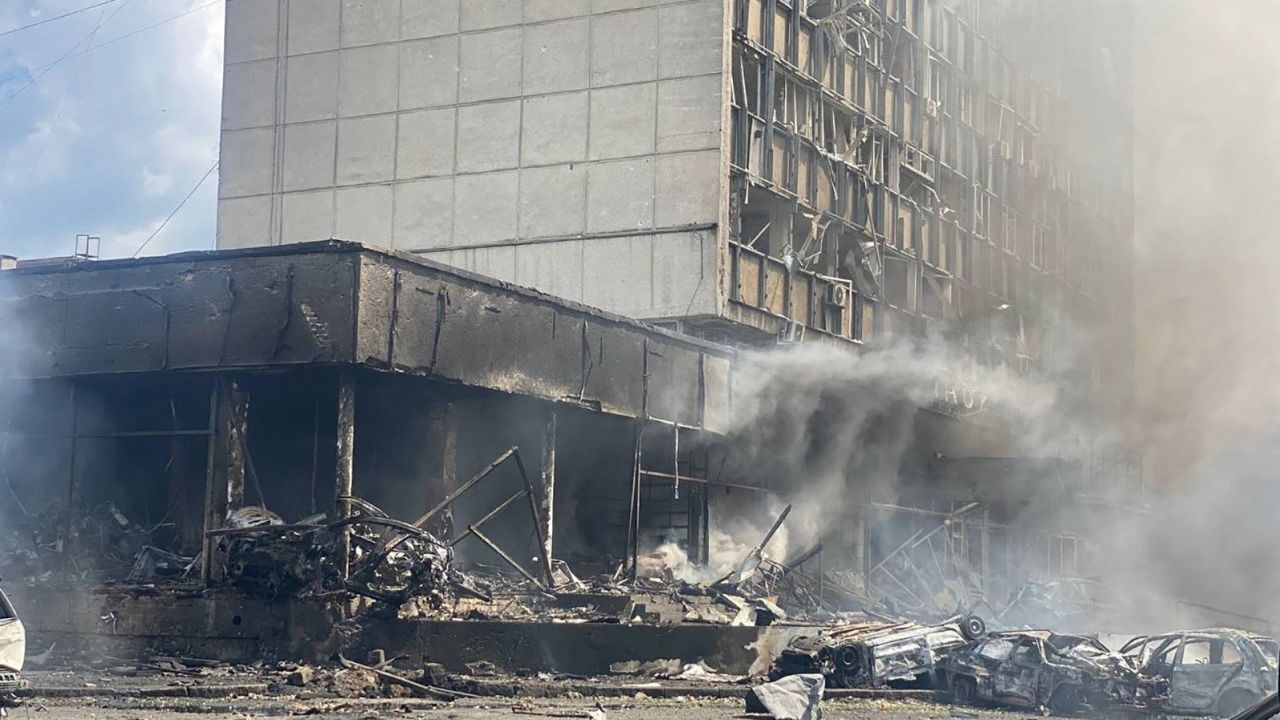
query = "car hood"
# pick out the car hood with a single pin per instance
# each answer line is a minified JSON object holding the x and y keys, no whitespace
{"x":13,"y":644}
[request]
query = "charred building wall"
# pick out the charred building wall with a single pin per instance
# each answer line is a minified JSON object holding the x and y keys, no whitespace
{"x":153,"y":399}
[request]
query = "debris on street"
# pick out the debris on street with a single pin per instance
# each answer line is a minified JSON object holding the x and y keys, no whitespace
{"x":795,"y":697}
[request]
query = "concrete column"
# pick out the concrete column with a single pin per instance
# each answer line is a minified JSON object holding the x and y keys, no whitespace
{"x":549,"y":482}
{"x":344,"y":481}
{"x":224,"y":476}
{"x":442,"y":453}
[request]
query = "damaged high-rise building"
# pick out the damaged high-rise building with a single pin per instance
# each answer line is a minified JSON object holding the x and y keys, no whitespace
{"x":743,"y":169}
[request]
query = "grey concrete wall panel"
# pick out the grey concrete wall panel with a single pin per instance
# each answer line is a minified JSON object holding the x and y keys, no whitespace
{"x":308,"y":216}
{"x":368,"y":22}
{"x":429,"y":18}
{"x":309,"y":151}
{"x":489,"y":136}
{"x":248,"y":92}
{"x":366,"y":150}
{"x":687,"y":188}
{"x":691,"y":38}
{"x":252,"y":30}
{"x":490,"y":65}
{"x":717,"y":394}
{"x":424,"y":213}
{"x":364,"y":212}
{"x":429,"y":73}
{"x":561,"y":122}
{"x":689,"y":114}
{"x":554,"y":129}
{"x":543,"y":10}
{"x":674,"y":384}
{"x":623,"y":121}
{"x":486,"y":14}
{"x":244,"y":172}
{"x":313,"y":25}
{"x":624,"y":47}
{"x":551,"y":201}
{"x":244,"y":222}
{"x":311,"y":83}
{"x":425,"y":145}
{"x":369,"y":80}
{"x":557,"y":56}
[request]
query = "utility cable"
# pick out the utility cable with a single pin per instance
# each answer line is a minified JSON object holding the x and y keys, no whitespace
{"x":39,"y":72}
{"x":176,"y":210}
{"x":103,"y":18}
{"x":38,"y":23}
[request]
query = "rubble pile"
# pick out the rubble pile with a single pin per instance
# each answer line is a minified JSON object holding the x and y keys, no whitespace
{"x":99,"y":545}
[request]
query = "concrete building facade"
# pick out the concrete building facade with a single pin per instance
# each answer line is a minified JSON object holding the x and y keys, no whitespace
{"x":575,"y":147}
{"x":744,"y":169}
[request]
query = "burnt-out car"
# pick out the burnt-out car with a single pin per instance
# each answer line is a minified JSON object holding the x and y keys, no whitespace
{"x":1219,"y":671}
{"x":13,"y":649}
{"x":1039,"y":668}
{"x":878,"y":654}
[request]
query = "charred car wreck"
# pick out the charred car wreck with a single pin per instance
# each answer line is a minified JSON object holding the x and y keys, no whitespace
{"x":13,"y":648}
{"x":1216,"y":671}
{"x":1066,"y":673}
{"x":878,"y":654}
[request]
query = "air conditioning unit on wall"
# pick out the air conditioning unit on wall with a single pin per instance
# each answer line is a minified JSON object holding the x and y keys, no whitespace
{"x":838,"y":295}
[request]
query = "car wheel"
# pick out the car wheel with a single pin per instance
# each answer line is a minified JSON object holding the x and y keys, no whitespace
{"x":964,"y":690}
{"x":973,"y":628}
{"x":1235,"y":702}
{"x":1066,"y":700}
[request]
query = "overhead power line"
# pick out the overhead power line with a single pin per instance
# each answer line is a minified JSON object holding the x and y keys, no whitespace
{"x":38,"y":23}
{"x":156,"y":232}
{"x":39,"y":72}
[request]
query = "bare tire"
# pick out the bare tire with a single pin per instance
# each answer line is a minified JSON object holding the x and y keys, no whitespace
{"x":973,"y":627}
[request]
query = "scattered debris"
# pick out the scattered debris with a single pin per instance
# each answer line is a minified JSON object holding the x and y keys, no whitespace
{"x":426,"y":690}
{"x":300,"y":677}
{"x":795,"y":697}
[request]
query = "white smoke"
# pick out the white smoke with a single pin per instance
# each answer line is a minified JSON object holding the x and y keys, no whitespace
{"x":821,"y":424}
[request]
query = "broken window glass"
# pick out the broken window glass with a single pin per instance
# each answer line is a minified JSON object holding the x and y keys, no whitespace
{"x":996,"y":649}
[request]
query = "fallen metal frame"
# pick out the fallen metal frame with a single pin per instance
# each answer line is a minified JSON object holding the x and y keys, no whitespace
{"x":473,"y":529}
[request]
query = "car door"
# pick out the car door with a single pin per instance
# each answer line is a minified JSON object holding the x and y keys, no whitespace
{"x":1199,"y":672}
{"x":1017,"y":677}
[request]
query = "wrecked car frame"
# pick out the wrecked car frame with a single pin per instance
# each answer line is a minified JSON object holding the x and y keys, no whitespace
{"x":13,"y":649}
{"x":877,"y":654}
{"x":1217,"y":671}
{"x":1039,"y":668}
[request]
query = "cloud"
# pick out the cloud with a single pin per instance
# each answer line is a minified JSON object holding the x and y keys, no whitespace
{"x":108,"y":141}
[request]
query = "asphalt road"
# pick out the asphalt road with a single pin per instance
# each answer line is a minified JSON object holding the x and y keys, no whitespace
{"x":517,"y":709}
